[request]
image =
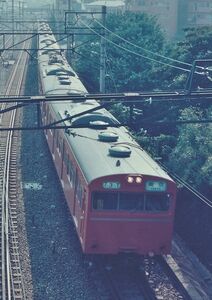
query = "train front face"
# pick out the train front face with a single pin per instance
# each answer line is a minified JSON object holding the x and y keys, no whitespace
{"x":131,"y":214}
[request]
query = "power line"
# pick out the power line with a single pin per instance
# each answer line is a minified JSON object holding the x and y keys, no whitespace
{"x":91,"y":62}
{"x":125,"y":97}
{"x":143,"y":49}
{"x":188,"y":186}
{"x":133,"y":52}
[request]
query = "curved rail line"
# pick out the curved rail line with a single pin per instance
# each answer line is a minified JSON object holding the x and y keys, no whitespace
{"x":12,"y":286}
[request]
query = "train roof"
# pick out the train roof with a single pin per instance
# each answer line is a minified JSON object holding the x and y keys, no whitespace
{"x":97,"y":156}
{"x":58,"y":77}
{"x":96,"y":161}
{"x":94,"y":153}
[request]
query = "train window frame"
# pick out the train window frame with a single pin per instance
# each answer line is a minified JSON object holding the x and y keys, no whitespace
{"x":60,"y":144}
{"x":57,"y":139}
{"x":102,"y":203}
{"x":79,"y":192}
{"x":65,"y":160}
{"x":49,"y":121}
{"x":71,"y":173}
{"x":154,"y":194}
{"x":133,"y":210}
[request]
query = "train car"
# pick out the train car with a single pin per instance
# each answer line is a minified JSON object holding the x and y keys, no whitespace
{"x":119,"y":197}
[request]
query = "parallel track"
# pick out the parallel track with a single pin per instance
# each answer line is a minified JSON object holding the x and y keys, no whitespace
{"x":12,"y":286}
{"x":163,"y":280}
{"x":148,"y":279}
{"x":123,"y":279}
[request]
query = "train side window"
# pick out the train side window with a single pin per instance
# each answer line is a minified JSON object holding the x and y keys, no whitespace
{"x":71,"y":172}
{"x":157,"y":202}
{"x":79,"y":192}
{"x":60,"y":144}
{"x":57,"y":139}
{"x":66,"y":161}
{"x":131,"y":202}
{"x":47,"y":110}
{"x":49,"y":121}
{"x":105,"y":201}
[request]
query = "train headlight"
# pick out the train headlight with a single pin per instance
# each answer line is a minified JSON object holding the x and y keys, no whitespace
{"x":134,"y":179}
{"x":138,"y":179}
{"x":130,"y":179}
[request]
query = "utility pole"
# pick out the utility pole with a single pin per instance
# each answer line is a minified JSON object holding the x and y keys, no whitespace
{"x":13,"y":22}
{"x":23,"y":4}
{"x":70,"y":39}
{"x":19,"y":13}
{"x":102,"y":53}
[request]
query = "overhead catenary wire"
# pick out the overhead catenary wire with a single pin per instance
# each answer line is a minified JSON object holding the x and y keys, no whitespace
{"x":187,"y":186}
{"x":133,"y":52}
{"x":141,"y":48}
{"x":96,"y":66}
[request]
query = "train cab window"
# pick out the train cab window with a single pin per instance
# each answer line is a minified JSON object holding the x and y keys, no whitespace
{"x":157,"y":202}
{"x":105,"y":201}
{"x":131,"y":202}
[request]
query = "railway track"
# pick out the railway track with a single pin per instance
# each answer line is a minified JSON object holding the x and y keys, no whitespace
{"x":122,"y":279}
{"x":11,"y":285}
{"x":163,"y":280}
{"x":150,"y":279}
{"x":174,"y":279}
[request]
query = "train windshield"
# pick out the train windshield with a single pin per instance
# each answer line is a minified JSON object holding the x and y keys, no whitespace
{"x":132,"y":202}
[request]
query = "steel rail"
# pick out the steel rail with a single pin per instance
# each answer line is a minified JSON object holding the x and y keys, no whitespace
{"x":176,"y":282}
{"x":8,"y":289}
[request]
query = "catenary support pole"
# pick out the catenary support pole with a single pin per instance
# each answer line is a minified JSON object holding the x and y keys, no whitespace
{"x":102,"y":53}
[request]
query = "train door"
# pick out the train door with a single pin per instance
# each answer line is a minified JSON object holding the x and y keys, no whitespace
{"x":82,"y":217}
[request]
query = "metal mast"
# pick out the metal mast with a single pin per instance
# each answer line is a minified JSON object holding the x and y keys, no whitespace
{"x":13,"y":23}
{"x":102,"y":53}
{"x":69,"y":43}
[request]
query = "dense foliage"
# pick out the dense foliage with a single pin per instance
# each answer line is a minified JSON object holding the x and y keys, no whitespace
{"x":186,"y":148}
{"x":125,"y":71}
{"x":191,"y":158}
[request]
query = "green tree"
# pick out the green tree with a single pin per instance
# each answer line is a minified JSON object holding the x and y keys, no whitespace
{"x":125,"y":71}
{"x":191,"y":158}
{"x":196,"y":45}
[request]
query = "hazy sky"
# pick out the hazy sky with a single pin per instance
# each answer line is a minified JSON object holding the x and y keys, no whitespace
{"x":39,"y":2}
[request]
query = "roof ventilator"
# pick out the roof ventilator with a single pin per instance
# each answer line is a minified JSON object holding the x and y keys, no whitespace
{"x":120,"y":151}
{"x":108,"y":136}
{"x":98,"y":124}
{"x":63,"y":77}
{"x":61,"y":73}
{"x":65,"y":82}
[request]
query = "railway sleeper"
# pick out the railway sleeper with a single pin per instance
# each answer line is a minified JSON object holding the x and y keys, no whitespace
{"x":16,"y":272}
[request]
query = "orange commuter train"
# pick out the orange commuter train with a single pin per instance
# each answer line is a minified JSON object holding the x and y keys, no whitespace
{"x":120,"y":199}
